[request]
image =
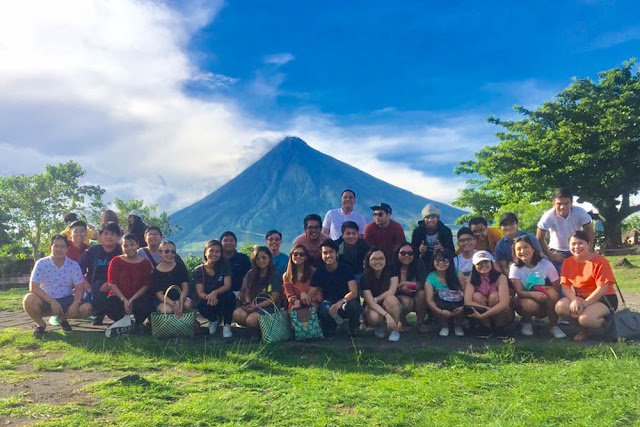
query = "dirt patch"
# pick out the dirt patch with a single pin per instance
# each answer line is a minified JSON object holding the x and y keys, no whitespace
{"x":633,"y":300}
{"x":55,"y":388}
{"x":18,"y":421}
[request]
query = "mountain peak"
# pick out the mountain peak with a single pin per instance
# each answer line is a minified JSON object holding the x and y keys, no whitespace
{"x":290,"y":142}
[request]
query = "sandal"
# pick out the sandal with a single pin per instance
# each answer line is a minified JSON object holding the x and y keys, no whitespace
{"x":582,"y":336}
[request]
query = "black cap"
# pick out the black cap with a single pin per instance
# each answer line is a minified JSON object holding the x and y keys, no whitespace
{"x":508,"y":217}
{"x":382,"y":207}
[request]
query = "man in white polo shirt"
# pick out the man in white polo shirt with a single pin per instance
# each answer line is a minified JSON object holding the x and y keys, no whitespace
{"x":560,"y":222}
{"x":333,"y":220}
{"x":56,"y":288}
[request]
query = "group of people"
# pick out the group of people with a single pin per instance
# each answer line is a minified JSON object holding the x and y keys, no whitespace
{"x":358,"y":274}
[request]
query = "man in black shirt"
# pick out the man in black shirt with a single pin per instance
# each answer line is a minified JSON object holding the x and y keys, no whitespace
{"x":352,"y":248}
{"x":339,"y":289}
{"x":238,"y":262}
{"x":95,"y":265}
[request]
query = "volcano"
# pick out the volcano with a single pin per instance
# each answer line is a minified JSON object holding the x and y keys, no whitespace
{"x":280,"y":189}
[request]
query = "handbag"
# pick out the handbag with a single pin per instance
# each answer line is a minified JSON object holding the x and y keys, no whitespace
{"x":622,"y":324}
{"x":276,"y":326}
{"x":169,"y":325}
{"x":305,"y":323}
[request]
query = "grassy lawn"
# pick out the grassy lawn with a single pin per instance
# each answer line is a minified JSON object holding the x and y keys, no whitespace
{"x":628,"y":278}
{"x":11,"y":299}
{"x":195,"y":383}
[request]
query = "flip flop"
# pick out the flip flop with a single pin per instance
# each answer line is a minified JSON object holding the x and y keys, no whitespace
{"x":582,"y":336}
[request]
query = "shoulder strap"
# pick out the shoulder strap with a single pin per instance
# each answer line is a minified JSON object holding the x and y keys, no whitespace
{"x":620,"y":292}
{"x":153,"y":261}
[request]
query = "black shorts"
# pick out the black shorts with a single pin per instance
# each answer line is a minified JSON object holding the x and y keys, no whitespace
{"x":612,"y":299}
{"x":65,"y":303}
{"x":447,"y":305}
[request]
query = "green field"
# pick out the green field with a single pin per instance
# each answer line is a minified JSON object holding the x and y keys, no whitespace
{"x":84,"y":379}
{"x":195,"y":383}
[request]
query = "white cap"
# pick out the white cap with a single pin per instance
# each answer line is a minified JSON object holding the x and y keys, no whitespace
{"x":481,"y":256}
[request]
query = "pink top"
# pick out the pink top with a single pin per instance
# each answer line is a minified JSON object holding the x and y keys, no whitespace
{"x":486,"y":287}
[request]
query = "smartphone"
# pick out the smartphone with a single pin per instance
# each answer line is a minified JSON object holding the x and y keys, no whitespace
{"x":468,"y":309}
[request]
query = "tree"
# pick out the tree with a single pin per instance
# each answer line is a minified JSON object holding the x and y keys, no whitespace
{"x":35,"y":205}
{"x":147,"y":213}
{"x":528,"y":214}
{"x":587,"y":139}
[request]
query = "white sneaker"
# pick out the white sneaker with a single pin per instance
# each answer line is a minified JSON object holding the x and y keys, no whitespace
{"x":444,"y":332}
{"x":394,"y":336}
{"x":213,"y":327}
{"x":557,"y":333}
{"x":226,"y":331}
{"x":53,"y":321}
{"x":458,"y":331}
{"x":381,"y":331}
{"x":527,"y":329}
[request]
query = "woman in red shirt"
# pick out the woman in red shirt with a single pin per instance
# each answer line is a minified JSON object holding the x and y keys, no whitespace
{"x":129,"y":276}
{"x":587,"y":284}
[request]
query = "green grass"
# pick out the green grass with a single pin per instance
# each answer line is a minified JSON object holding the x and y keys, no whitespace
{"x":628,"y":278}
{"x":11,"y":299}
{"x":195,"y":383}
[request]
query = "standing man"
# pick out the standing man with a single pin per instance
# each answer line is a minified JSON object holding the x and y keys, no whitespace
{"x":431,"y":234}
{"x":95,"y":264}
{"x":334,"y":218}
{"x":503,"y":250}
{"x":384,"y":232}
{"x":77,"y":245}
{"x":56,"y":288}
{"x":312,"y":238}
{"x":238,"y":262}
{"x":274,"y":241}
{"x":560,"y":222}
{"x":352,"y":248}
{"x":153,"y":237}
{"x":486,"y":237}
{"x":339,"y":289}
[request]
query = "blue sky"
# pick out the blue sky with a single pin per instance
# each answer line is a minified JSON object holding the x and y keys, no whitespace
{"x":197,"y":91}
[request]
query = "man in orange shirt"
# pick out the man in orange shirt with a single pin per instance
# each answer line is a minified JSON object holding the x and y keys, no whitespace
{"x":486,"y":237}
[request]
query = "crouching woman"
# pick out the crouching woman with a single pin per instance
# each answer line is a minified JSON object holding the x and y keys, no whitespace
{"x":588,"y":287}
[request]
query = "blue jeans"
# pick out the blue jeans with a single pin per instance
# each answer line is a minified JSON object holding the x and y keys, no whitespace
{"x":351,"y":312}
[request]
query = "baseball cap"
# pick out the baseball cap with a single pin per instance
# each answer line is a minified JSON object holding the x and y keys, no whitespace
{"x":382,"y":207}
{"x":508,"y":217}
{"x":481,"y":256}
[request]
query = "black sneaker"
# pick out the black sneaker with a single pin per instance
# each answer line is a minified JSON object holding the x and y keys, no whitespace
{"x":98,"y":320}
{"x":483,"y":333}
{"x":500,"y":333}
{"x":38,"y":332}
{"x":65,"y":326}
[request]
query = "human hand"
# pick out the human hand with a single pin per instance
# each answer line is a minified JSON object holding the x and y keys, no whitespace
{"x":297,"y":304}
{"x":391,"y":323}
{"x":576,"y":307}
{"x":128,"y":306}
{"x":423,"y":248}
{"x":477,"y":314}
{"x":56,"y":308}
{"x":333,"y":310}
{"x":557,"y":257}
{"x":438,"y":246}
{"x":212,"y":298}
{"x":457,"y":311}
{"x":446,"y":314}
{"x":105,"y":287}
{"x":304,"y":297}
{"x":539,"y":297}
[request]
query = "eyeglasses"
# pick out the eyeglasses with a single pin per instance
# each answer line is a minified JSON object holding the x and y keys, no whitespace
{"x":441,"y":261}
{"x":406,"y":253}
{"x":169,"y":251}
{"x":299,"y":255}
{"x":468,"y":240}
{"x":377,"y":258}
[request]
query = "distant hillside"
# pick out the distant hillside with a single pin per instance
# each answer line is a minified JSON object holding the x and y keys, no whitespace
{"x":289,"y":182}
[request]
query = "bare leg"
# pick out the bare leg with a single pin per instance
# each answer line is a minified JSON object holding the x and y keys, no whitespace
{"x":32,"y":304}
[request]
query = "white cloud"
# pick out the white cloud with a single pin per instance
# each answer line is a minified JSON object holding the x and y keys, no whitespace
{"x":279,"y":58}
{"x":102,"y":82}
{"x":529,"y":93}
{"x":607,"y":40}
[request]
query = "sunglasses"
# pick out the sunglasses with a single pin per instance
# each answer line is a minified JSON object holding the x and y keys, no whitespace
{"x":406,"y":253}
{"x":169,"y":251}
{"x":441,"y":261}
{"x":299,"y":255}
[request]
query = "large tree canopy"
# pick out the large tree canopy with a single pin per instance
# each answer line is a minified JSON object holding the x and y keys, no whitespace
{"x":587,"y":139}
{"x":34,"y":205}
